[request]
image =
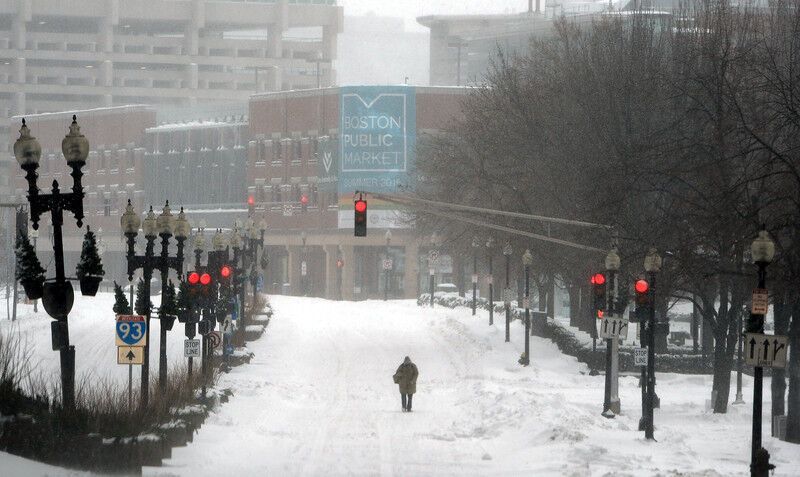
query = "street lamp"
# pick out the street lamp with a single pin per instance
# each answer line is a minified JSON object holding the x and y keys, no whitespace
{"x":611,"y":405}
{"x":152,"y":227}
{"x":652,"y":265}
{"x":763,"y":251}
{"x":507,"y":251}
{"x":168,"y":226}
{"x":489,"y":247}
{"x":57,"y":294}
{"x":388,"y":265}
{"x":475,"y":246}
{"x":527,"y":260}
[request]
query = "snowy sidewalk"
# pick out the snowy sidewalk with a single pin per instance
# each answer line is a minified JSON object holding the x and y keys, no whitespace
{"x":318,"y":399}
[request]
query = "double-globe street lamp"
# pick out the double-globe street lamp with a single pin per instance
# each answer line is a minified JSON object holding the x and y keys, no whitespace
{"x":57,"y":294}
{"x":153,"y":227}
{"x":489,"y":251}
{"x":763,"y":251}
{"x":252,"y":239}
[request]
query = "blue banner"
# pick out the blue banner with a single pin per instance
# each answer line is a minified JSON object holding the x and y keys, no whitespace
{"x":377,"y":138}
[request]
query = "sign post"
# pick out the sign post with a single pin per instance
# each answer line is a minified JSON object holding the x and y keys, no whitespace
{"x":130,"y":338}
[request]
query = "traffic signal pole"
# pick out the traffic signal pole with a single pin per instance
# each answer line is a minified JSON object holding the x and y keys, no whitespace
{"x":615,"y":402}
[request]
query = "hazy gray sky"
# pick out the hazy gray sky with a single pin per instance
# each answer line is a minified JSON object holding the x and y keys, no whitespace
{"x":410,"y":9}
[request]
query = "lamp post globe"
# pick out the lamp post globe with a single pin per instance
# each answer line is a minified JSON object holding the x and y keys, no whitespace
{"x":129,"y":221}
{"x":164,"y":221}
{"x":527,"y":258}
{"x":763,"y":248}
{"x":27,"y":149}
{"x":652,"y":261}
{"x":612,"y":261}
{"x":200,"y":240}
{"x":150,"y":224}
{"x":181,"y":227}
{"x":75,"y":146}
{"x":218,"y":242}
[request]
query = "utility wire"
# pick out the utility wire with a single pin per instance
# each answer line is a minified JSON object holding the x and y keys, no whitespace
{"x":510,"y":230}
{"x":402,"y":199}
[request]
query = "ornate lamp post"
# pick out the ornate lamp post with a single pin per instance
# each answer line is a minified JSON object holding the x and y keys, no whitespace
{"x":152,"y":227}
{"x":507,"y":251}
{"x":527,"y":260}
{"x":611,"y":404}
{"x":387,"y":269}
{"x":167,"y":227}
{"x":763,"y":251}
{"x":652,"y":265}
{"x":58,"y":294}
{"x":253,"y":240}
{"x":489,"y":250}
{"x":475,"y":246}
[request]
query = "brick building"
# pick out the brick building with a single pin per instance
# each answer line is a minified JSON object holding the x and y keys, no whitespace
{"x":310,"y":146}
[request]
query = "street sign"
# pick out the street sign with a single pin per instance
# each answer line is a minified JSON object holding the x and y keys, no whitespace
{"x":490,"y":280}
{"x":760,"y":304}
{"x":287,"y":210}
{"x":640,"y":356}
{"x":131,"y":330}
{"x":130,"y":355}
{"x":613,"y":327}
{"x":474,"y":278}
{"x":191,"y":348}
{"x":526,"y":302}
{"x":214,"y":339}
{"x":766,"y":350}
{"x":387,"y":264}
{"x":303,"y":268}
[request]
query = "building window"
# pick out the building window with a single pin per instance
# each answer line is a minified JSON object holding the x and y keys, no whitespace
{"x":106,"y":207}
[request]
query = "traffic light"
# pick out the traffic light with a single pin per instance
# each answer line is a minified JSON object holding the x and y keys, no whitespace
{"x":598,"y":281}
{"x":225,"y":272}
{"x":251,"y":204}
{"x":641,"y":287}
{"x":304,"y":202}
{"x":200,"y":286}
{"x":360,"y":207}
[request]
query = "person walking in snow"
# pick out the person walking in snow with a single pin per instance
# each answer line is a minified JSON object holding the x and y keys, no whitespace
{"x":406,"y":378}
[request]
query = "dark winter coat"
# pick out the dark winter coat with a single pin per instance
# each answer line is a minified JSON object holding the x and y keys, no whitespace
{"x":406,"y":377}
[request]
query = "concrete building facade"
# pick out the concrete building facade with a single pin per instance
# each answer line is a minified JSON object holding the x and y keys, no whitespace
{"x":64,"y":56}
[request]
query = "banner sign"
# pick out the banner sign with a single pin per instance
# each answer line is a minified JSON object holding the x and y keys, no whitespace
{"x":327,"y":164}
{"x":377,"y":140}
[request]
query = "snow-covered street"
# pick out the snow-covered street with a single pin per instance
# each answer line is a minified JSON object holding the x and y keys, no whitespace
{"x":318,"y":399}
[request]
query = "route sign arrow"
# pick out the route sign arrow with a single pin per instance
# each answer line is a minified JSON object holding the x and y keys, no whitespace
{"x":766,"y":350}
{"x":613,"y":327}
{"x":131,"y":330}
{"x":130,"y":355}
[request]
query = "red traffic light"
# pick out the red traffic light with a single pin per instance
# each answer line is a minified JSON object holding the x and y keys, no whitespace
{"x":225,"y":271}
{"x":641,"y":286}
{"x":600,"y":314}
{"x":361,"y":206}
{"x":304,"y":199}
{"x":339,"y":263}
{"x":598,"y":279}
{"x":251,"y":201}
{"x":194,"y":278}
{"x":205,"y":279}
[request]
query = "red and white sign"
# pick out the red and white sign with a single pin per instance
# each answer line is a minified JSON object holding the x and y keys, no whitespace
{"x":760,"y":304}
